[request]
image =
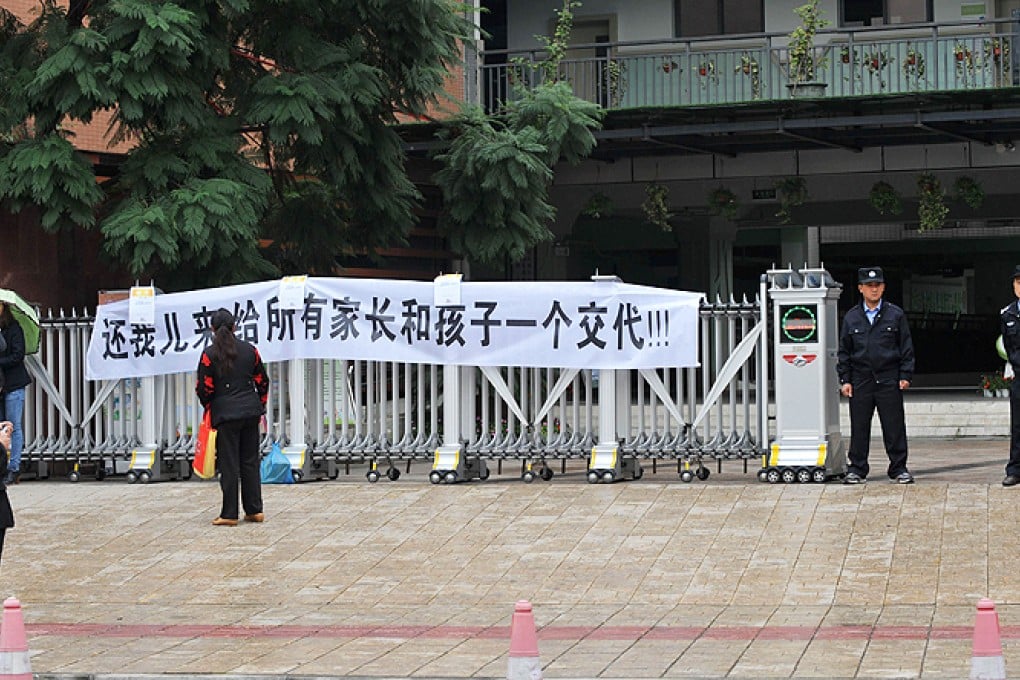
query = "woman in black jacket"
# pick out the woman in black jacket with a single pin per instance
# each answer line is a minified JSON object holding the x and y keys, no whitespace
{"x":15,"y":380}
{"x":233,"y":384}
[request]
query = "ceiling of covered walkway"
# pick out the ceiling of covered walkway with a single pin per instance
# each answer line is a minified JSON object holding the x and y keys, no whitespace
{"x":990,"y":117}
{"x":985,"y":117}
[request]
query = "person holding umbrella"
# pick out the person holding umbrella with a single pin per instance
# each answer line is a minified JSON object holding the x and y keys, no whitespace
{"x":15,"y":380}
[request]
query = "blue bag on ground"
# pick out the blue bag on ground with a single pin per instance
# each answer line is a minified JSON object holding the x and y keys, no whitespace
{"x":275,"y":467}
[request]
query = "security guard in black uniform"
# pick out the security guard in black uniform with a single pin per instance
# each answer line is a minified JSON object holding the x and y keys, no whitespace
{"x":875,"y":364}
{"x":1009,"y":326}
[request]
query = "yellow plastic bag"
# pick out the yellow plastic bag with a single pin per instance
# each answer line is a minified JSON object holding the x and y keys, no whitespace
{"x":204,"y":463}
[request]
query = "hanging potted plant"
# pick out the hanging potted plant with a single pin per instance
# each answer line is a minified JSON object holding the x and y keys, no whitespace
{"x":706,"y":72}
{"x":931,"y":206}
{"x":877,"y":60}
{"x":876,"y":63}
{"x":804,"y":61}
{"x":792,"y":193}
{"x":617,"y":83}
{"x":656,"y":206}
{"x":748,"y":64}
{"x":598,"y":206}
{"x":723,"y":202}
{"x":967,"y":190}
{"x":750,"y":67}
{"x":913,"y":64}
{"x":966,"y":62}
{"x":885,"y":199}
{"x":996,"y":50}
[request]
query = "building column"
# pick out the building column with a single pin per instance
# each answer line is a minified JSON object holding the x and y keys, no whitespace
{"x":799,"y":246}
{"x":721,"y":234}
{"x":814,"y":248}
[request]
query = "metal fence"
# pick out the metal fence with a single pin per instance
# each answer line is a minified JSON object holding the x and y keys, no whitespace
{"x":336,"y":416}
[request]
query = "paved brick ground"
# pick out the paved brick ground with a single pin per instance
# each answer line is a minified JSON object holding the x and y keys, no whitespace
{"x":648,"y":579}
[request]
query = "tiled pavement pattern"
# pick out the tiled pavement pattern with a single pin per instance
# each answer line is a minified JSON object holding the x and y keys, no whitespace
{"x":655,"y":578}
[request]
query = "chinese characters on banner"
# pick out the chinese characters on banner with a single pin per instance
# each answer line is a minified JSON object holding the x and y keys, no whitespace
{"x":556,"y":324}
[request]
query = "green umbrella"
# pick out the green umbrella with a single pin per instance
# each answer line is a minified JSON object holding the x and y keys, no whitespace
{"x":25,"y":315}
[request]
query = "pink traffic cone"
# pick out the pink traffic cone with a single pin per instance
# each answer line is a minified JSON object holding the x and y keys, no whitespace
{"x":986,"y":662}
{"x":524,"y":662}
{"x":14,"y":661}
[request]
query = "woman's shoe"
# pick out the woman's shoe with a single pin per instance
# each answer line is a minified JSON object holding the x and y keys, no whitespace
{"x":257,"y":517}
{"x":224,"y":522}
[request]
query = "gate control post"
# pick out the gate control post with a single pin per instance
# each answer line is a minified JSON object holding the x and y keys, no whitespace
{"x":808,"y":446}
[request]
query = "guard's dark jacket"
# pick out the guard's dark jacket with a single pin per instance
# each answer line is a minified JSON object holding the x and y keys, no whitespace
{"x":882,"y":353}
{"x":237,"y":394}
{"x":1009,"y":326}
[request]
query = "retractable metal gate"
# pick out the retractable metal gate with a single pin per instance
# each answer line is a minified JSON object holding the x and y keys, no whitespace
{"x":333,"y":415}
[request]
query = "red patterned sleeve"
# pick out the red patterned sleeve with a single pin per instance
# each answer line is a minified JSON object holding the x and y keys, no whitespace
{"x":260,"y":378}
{"x":205,"y":386}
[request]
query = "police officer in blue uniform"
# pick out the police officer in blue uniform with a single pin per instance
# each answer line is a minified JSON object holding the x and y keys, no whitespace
{"x":1009,"y":326}
{"x":875,"y":364}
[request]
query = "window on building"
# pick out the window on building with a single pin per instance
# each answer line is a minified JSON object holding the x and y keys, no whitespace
{"x":880,"y":12}
{"x":712,"y":17}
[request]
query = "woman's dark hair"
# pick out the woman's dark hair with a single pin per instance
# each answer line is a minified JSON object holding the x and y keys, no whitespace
{"x":223,"y":349}
{"x":6,"y":318}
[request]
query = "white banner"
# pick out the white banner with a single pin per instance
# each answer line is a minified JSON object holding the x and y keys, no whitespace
{"x":557,"y":323}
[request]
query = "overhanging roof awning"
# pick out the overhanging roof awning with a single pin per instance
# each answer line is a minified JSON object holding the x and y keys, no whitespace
{"x":847,"y":124}
{"x":983,"y":117}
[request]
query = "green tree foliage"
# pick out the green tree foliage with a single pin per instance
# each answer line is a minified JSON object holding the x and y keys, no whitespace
{"x":496,"y":174}
{"x":495,"y":183}
{"x":248,"y":118}
{"x":563,"y":122}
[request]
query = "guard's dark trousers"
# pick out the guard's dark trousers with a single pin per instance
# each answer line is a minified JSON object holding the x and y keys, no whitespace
{"x":1013,"y":467}
{"x":888,"y":399}
{"x":237,"y":456}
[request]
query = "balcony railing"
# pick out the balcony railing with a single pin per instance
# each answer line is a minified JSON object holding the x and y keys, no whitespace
{"x":889,"y":60}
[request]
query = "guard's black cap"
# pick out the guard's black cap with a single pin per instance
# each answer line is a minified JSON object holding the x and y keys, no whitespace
{"x":1016,"y":272}
{"x":870,"y":275}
